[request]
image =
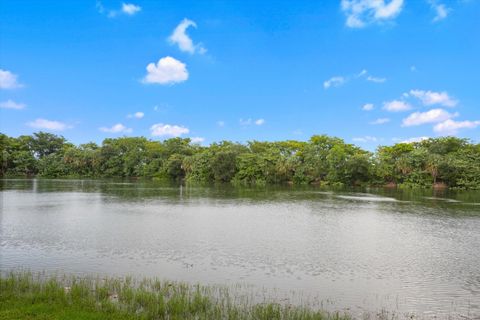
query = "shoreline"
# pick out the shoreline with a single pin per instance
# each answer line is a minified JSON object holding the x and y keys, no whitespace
{"x":289,"y":184}
{"x":25,"y":295}
{"x":38,"y":295}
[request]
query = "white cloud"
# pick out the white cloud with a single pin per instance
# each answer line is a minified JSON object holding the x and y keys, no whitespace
{"x":334,"y":82}
{"x":130,"y":8}
{"x":127,"y":8}
{"x":161,"y":130}
{"x":197,"y":140}
{"x":415,"y":139}
{"x":184,"y":42}
{"x":249,"y":121}
{"x":338,"y":81}
{"x":396,"y":106}
{"x":368,"y":107}
{"x":429,"y":98}
{"x":221,"y":123}
{"x":117,"y":128}
{"x":362,"y":73}
{"x":137,"y":115}
{"x":380,"y":121}
{"x":8,"y":80}
{"x":441,"y":11}
{"x":387,"y":10}
{"x":163,"y":107}
{"x":10,"y":104}
{"x":359,"y":13}
{"x":365,"y":139}
{"x":168,"y":70}
{"x":431,"y":116}
{"x":48,"y":125}
{"x":376,"y":79}
{"x":451,"y":127}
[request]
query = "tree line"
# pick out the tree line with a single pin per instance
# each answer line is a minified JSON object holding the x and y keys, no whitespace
{"x":445,"y":161}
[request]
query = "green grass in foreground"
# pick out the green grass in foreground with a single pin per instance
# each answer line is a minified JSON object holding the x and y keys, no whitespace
{"x":27,"y":296}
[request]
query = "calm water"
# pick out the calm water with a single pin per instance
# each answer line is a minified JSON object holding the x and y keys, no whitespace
{"x":363,"y":250}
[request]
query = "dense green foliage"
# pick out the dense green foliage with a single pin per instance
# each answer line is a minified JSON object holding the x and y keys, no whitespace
{"x":444,"y":161}
{"x":23,"y":296}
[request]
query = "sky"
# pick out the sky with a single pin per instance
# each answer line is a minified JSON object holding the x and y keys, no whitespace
{"x":373,"y":72}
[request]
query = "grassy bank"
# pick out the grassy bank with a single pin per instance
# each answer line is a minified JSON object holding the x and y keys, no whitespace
{"x":28,"y":296}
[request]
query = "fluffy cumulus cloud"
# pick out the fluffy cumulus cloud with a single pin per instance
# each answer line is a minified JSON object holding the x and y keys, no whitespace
{"x":365,"y":139}
{"x":431,"y":116}
{"x":360,"y":13}
{"x":45,"y":124}
{"x":396,"y":106}
{"x":197,"y":140}
{"x":183,"y":40}
{"x":136,"y":115}
{"x":429,"y":98}
{"x":414,"y":139}
{"x":368,"y":107}
{"x":167,"y":130}
{"x":336,"y":81}
{"x":8,"y":80}
{"x":117,"y":128}
{"x":10,"y":104}
{"x":451,"y":127}
{"x":130,"y":9}
{"x":167,"y":70}
{"x":380,"y":121}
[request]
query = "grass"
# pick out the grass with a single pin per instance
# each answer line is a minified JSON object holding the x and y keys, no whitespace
{"x":24,"y":295}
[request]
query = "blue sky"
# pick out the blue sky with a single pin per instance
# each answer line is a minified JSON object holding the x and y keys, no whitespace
{"x":372,"y":72}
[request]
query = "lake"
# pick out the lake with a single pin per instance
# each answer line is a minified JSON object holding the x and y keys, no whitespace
{"x":407,"y":251}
